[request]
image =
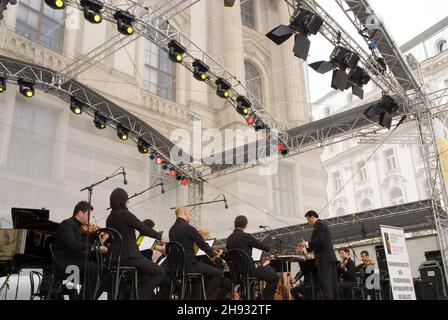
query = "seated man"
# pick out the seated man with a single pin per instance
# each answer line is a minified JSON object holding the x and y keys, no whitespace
{"x":187,"y":235}
{"x":70,"y":249}
{"x":244,"y":241}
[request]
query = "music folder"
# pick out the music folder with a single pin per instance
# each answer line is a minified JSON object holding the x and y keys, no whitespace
{"x":146,"y":243}
{"x":199,"y":252}
{"x":256,"y":254}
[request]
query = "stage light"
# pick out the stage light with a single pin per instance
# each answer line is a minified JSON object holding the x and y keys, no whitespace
{"x":229,"y":3}
{"x":200,"y":70}
{"x":165,"y":165}
{"x":282,"y":149}
{"x":2,"y":84}
{"x":358,"y":77}
{"x":152,"y":155}
{"x":259,"y":125}
{"x":122,"y":132}
{"x":76,"y":106}
{"x":383,"y":112}
{"x":250,"y":120}
{"x":26,"y":87}
{"x":178,"y":177}
{"x":124,"y":22}
{"x":173,"y":172}
{"x":92,"y":10}
{"x":243,"y":105}
{"x":100,"y":120}
{"x":55,"y":4}
{"x":159,"y":160}
{"x":176,"y":51}
{"x":142,"y":145}
{"x":222,"y":88}
{"x":184,"y":182}
{"x":303,"y":23}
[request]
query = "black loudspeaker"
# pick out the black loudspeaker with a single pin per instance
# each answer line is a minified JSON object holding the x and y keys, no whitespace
{"x":425,"y":290}
{"x":381,"y":258}
{"x":432,"y":271}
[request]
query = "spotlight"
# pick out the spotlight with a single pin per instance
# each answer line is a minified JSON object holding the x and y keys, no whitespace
{"x":55,"y":4}
{"x":159,"y":160}
{"x":229,"y":3}
{"x":184,"y":182}
{"x":124,"y":22}
{"x":200,"y":70}
{"x":26,"y":87}
{"x":303,"y":23}
{"x":251,"y":119}
{"x":2,"y":84}
{"x":152,"y":155}
{"x":383,"y":112}
{"x":243,"y":105}
{"x":260,"y":125}
{"x":122,"y":132}
{"x":142,"y":145}
{"x":100,"y":120}
{"x":178,"y":177}
{"x":282,"y":149}
{"x":358,"y":77}
{"x":379,"y":65}
{"x":92,"y":10}
{"x":165,"y":165}
{"x":173,"y":172}
{"x":76,"y":106}
{"x":222,"y":88}
{"x":176,"y":51}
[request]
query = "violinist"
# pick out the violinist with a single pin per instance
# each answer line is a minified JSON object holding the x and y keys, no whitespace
{"x":346,"y":274}
{"x":126,"y":223}
{"x":366,"y":261}
{"x":158,"y":254}
{"x":70,"y":248}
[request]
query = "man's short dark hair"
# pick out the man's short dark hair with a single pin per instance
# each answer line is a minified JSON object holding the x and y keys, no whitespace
{"x":312,"y":213}
{"x":82,"y":206}
{"x":365,"y":252}
{"x":345,"y":250}
{"x":118,"y":199}
{"x":149,"y":223}
{"x":241,"y":222}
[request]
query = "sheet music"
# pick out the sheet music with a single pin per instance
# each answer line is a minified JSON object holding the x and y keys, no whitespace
{"x":146,"y":243}
{"x":256,"y":254}
{"x":199,"y":252}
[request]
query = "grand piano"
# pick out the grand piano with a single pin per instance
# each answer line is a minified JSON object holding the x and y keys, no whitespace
{"x":27,"y":245}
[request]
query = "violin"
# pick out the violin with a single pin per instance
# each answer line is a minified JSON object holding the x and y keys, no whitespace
{"x":91,"y":228}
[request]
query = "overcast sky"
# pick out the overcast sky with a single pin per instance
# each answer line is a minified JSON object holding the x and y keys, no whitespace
{"x":405,"y":19}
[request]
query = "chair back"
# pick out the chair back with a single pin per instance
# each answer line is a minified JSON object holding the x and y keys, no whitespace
{"x":176,"y":258}
{"x":239,"y":263}
{"x":115,"y":243}
{"x":359,"y":278}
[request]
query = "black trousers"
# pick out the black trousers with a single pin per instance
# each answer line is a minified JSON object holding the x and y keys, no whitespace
{"x":328,"y":280}
{"x":345,"y":290}
{"x":151,"y":275}
{"x":212,"y":275}
{"x":268,"y":275}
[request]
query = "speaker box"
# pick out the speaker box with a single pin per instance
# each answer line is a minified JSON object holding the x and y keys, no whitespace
{"x":425,"y":290}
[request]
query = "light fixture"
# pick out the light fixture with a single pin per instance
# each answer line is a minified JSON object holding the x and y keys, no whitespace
{"x":383,"y":111}
{"x":250,"y":120}
{"x":179,"y":177}
{"x":122,"y":132}
{"x":303,"y":23}
{"x":222,"y":88}
{"x":2,"y":84}
{"x":142,"y":145}
{"x":176,"y":51}
{"x":100,"y":120}
{"x":76,"y":106}
{"x":26,"y":87}
{"x":165,"y":165}
{"x":229,"y":3}
{"x":358,"y":77}
{"x":184,"y":182}
{"x":124,"y":22}
{"x":243,"y":105}
{"x":259,"y":125}
{"x":92,"y":10}
{"x":152,"y":155}
{"x":200,"y":70}
{"x":159,"y":160}
{"x":282,"y":149}
{"x":173,"y":172}
{"x":55,"y":4}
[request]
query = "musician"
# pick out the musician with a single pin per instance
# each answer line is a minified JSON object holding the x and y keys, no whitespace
{"x":70,"y":248}
{"x":346,"y":274}
{"x":321,"y":244}
{"x":366,"y":261}
{"x":244,"y":241}
{"x":158,"y":253}
{"x":188,"y":236}
{"x":126,"y":223}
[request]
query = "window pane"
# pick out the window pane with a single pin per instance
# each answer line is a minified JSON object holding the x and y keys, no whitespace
{"x":253,"y":81}
{"x":248,"y":13}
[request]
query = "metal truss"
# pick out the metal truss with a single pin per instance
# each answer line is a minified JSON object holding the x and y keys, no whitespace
{"x":195,"y":195}
{"x":44,"y":79}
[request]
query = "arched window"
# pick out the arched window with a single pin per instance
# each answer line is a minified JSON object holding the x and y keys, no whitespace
{"x":366,"y":204}
{"x":253,"y":81}
{"x":340,"y":212}
{"x":248,"y":13}
{"x":396,"y":196}
{"x":442,"y":45}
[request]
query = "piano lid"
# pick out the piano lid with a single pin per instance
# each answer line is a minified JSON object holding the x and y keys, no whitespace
{"x":37,"y":219}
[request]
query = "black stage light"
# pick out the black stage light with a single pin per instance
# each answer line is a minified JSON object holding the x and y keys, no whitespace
{"x":26,"y":87}
{"x":200,"y":70}
{"x":152,"y":155}
{"x":176,"y":51}
{"x":76,"y":106}
{"x":383,"y":112}
{"x":92,"y":10}
{"x":2,"y":84}
{"x":178,"y":177}
{"x":142,"y":145}
{"x":243,"y":105}
{"x":229,"y":3}
{"x":55,"y":4}
{"x":165,"y":165}
{"x":124,"y":22}
{"x":358,"y":77}
{"x":100,"y":120}
{"x":304,"y":23}
{"x":259,"y":125}
{"x":122,"y":132}
{"x":282,"y":149}
{"x":222,"y":88}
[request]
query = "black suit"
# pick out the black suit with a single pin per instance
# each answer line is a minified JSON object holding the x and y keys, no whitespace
{"x":347,"y":279}
{"x":70,"y":249}
{"x":188,"y":236}
{"x":321,"y":244}
{"x":126,"y":223}
{"x":244,"y":241}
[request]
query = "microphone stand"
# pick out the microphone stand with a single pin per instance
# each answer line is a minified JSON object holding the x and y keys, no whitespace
{"x":89,"y":200}
{"x":201,"y":203}
{"x":147,"y":189}
{"x":353,"y":250}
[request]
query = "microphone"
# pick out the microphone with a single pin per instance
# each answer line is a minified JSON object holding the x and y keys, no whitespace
{"x":225,"y":202}
{"x":163,"y":190}
{"x":263,"y":227}
{"x":124,"y":177}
